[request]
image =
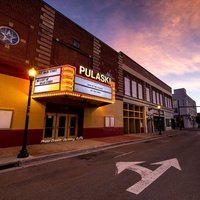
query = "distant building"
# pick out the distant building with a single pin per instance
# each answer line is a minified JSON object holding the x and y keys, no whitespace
{"x":185,"y":110}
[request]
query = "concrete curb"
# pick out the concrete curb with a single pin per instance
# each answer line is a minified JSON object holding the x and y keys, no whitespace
{"x":31,"y":160}
{"x":74,"y":153}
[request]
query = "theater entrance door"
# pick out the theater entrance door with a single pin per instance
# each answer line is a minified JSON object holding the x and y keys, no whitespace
{"x":60,"y":127}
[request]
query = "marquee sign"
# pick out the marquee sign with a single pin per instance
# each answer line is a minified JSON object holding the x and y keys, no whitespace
{"x":76,"y":81}
{"x":92,"y":88}
{"x":47,"y":80}
{"x":98,"y":76}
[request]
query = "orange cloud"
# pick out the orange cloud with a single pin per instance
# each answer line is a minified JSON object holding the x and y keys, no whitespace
{"x":167,"y":45}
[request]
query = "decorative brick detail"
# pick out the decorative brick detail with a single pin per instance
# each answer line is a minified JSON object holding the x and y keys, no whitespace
{"x":120,"y":77}
{"x":45,"y":36}
{"x":96,"y":54}
{"x":144,"y":91}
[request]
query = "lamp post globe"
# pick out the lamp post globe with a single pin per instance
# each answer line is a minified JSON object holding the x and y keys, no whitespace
{"x":32,"y":72}
{"x":159,"y":107}
{"x":24,"y":152}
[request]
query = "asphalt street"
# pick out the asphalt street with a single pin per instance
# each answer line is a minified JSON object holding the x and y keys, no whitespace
{"x":162,"y":169}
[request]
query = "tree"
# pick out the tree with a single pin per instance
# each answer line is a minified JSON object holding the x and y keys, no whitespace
{"x":198,"y":120}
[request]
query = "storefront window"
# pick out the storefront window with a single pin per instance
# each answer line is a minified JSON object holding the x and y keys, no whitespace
{"x":133,"y":118}
{"x":168,"y":123}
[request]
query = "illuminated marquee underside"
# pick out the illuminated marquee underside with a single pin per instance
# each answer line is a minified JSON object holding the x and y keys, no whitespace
{"x":64,"y":81}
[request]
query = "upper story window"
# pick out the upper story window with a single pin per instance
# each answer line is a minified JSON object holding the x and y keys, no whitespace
{"x":175,"y":103}
{"x":154,"y":96}
{"x":157,"y":98}
{"x":76,"y":43}
{"x":147,"y":94}
{"x":127,"y":86}
{"x":140,"y":91}
{"x":161,"y":100}
{"x":134,"y":89}
{"x":168,"y":102}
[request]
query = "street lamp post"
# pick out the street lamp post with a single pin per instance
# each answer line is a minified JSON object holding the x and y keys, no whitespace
{"x":24,"y":152}
{"x":160,"y":133}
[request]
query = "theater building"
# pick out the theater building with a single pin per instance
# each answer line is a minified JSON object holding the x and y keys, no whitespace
{"x":83,"y":87}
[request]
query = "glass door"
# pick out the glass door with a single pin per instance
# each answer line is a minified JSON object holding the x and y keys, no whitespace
{"x":49,"y":126}
{"x":61,"y":126}
{"x":72,"y":126}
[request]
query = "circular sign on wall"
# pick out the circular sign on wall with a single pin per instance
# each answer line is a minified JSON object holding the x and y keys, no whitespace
{"x":8,"y":35}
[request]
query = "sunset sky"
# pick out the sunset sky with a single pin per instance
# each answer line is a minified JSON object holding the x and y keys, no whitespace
{"x":163,"y":36}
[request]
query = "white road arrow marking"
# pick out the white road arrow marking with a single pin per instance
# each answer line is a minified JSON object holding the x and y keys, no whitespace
{"x":143,"y":171}
{"x":148,"y":176}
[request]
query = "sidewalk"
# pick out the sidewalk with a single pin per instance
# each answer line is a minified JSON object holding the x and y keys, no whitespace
{"x":56,"y":150}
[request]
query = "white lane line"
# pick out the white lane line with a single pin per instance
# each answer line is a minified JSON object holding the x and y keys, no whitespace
{"x":124,"y":154}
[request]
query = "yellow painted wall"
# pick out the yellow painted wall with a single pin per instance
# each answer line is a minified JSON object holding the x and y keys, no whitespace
{"x":14,"y":95}
{"x":94,"y":117}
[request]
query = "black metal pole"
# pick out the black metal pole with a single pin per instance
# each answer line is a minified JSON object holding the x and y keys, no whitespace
{"x":24,"y":152}
{"x":179,"y":114}
{"x":160,"y":133}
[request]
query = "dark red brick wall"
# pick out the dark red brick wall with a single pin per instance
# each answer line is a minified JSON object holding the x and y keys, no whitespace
{"x":23,"y":17}
{"x":65,"y":31}
{"x":64,"y":52}
{"x":102,"y":132}
{"x":109,"y":61}
{"x":15,"y":137}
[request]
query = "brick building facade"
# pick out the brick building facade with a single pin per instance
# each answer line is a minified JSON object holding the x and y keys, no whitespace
{"x":33,"y":34}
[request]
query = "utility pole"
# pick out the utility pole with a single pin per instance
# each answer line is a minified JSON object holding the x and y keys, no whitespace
{"x":179,"y":115}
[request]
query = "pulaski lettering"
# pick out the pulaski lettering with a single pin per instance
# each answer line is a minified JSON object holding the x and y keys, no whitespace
{"x":90,"y":74}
